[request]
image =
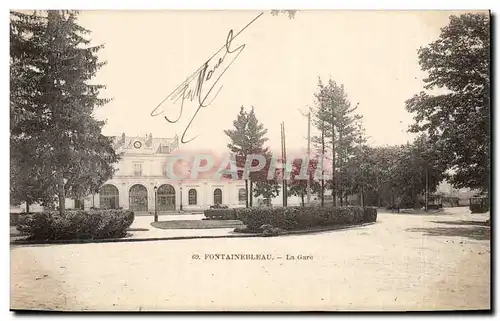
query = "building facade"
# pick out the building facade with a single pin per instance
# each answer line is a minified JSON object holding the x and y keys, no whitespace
{"x":142,"y":183}
{"x":142,"y":176}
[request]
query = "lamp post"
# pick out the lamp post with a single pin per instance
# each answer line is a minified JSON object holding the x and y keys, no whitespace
{"x":181,"y":197}
{"x":156,"y":210}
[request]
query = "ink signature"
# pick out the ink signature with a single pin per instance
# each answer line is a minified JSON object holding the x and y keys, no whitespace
{"x":200,"y":84}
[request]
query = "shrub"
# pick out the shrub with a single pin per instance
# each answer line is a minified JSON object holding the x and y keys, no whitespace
{"x":14,"y":218}
{"x":370,"y":214}
{"x":292,"y":218}
{"x":76,"y":224}
{"x":221,"y":214}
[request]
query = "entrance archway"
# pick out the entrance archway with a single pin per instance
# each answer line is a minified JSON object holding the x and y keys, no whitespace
{"x":138,"y":198}
{"x":109,"y":196}
{"x":166,"y":198}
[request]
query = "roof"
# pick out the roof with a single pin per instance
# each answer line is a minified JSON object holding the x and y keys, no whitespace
{"x":145,"y":144}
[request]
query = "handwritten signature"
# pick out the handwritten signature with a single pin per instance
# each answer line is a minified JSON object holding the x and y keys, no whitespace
{"x":200,"y":84}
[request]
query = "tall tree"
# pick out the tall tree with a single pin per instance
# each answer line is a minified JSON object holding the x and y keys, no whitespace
{"x":256,"y":137}
{"x":337,"y":121}
{"x":457,"y":120}
{"x":26,"y":179}
{"x":320,"y":143}
{"x":239,"y":143}
{"x":72,"y":156}
{"x":247,"y":137}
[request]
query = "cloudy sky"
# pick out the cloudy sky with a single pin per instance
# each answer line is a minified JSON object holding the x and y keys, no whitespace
{"x":149,"y":53}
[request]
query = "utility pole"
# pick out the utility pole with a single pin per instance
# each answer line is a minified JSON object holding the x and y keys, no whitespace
{"x":426,"y":189}
{"x":308,"y":188}
{"x":283,"y":156}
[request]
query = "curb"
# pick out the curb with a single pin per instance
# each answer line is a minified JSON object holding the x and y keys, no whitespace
{"x":168,"y":238}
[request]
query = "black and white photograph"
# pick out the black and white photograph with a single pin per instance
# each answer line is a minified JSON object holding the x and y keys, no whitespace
{"x":250,"y":160}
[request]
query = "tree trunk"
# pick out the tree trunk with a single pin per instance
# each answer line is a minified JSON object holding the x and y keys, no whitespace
{"x":341,"y":164}
{"x":322,"y":164}
{"x":322,"y":192}
{"x":246,"y":189}
{"x":334,"y":190}
{"x":346,"y":203}
{"x":27,"y":206}
{"x":302,"y":196}
{"x":251,"y":193}
{"x":61,"y":194}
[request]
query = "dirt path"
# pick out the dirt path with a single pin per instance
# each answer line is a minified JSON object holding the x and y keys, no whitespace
{"x":404,"y":262}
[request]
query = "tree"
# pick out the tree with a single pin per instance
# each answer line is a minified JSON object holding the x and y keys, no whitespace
{"x":290,"y":13}
{"x":54,"y":120}
{"x":458,"y":120}
{"x":27,"y":182}
{"x":336,"y":120}
{"x":239,"y":144}
{"x":247,"y":137}
{"x":256,"y":138}
{"x":267,"y":188}
{"x":298,"y":187}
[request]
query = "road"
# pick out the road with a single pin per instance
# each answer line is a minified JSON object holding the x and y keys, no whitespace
{"x":403,"y":262}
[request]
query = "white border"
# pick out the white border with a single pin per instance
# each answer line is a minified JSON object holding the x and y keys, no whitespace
{"x":196,"y":4}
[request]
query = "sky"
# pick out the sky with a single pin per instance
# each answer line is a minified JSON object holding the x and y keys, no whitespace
{"x":273,"y":65}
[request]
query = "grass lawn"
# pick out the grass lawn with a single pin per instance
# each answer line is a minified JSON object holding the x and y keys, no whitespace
{"x":197,"y":224}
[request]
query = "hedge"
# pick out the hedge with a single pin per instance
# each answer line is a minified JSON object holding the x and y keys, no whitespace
{"x":369,"y":214}
{"x":221,"y":214}
{"x":76,"y":224}
{"x":292,"y":218}
{"x":14,"y":218}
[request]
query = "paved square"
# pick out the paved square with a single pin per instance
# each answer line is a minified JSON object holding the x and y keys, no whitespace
{"x":403,"y":262}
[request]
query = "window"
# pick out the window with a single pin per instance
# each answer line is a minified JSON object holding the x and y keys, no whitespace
{"x":165,"y":149}
{"x":164,"y":169}
{"x":242,"y":196}
{"x":137,"y":169}
{"x":109,"y":196}
{"x":79,"y":204}
{"x":218,"y":196}
{"x":193,"y":195}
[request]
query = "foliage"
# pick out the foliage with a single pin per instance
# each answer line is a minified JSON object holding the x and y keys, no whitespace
{"x":292,"y":218}
{"x":395,"y":174}
{"x":267,"y":188}
{"x":297,"y":186}
{"x":457,"y":119}
{"x":220,"y":214}
{"x":341,"y":127}
{"x":57,"y":144}
{"x":76,"y":224}
{"x":248,"y":137}
{"x":290,"y":13}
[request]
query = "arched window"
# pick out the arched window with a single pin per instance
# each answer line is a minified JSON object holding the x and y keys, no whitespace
{"x":108,"y":196}
{"x":166,"y":198}
{"x":138,"y":198}
{"x":193,"y":196}
{"x":242,"y":196}
{"x":218,"y":196}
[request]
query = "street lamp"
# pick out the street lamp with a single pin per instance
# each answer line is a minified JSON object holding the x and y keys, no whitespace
{"x":156,"y":211}
{"x":181,"y":197}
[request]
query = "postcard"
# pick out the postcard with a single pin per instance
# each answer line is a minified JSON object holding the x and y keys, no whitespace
{"x":244,"y":160}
